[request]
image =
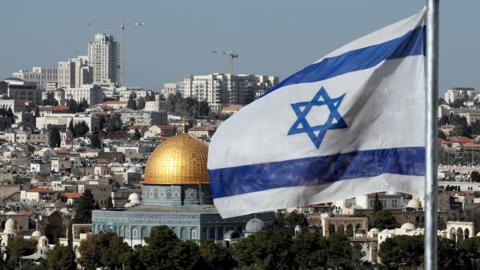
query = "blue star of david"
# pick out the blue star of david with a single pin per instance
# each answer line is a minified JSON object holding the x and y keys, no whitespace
{"x":317,"y":133}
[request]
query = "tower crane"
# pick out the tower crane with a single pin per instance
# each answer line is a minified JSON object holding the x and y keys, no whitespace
{"x":231,"y":58}
{"x":123,"y":25}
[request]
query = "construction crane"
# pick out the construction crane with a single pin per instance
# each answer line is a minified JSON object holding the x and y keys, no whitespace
{"x":231,"y":58}
{"x":123,"y":25}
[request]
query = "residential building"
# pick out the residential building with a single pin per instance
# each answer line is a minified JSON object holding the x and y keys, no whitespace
{"x":26,"y":92}
{"x":144,"y":118}
{"x":169,"y":89}
{"x":14,"y":105}
{"x":219,"y":88}
{"x":460,"y":93}
{"x":93,"y":94}
{"x":39,"y":75}
{"x":63,"y":119}
{"x":26,"y":136}
{"x":75,"y":72}
{"x":103,"y":57}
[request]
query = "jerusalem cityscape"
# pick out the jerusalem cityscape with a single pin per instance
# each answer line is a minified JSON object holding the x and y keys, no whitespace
{"x":144,"y":135}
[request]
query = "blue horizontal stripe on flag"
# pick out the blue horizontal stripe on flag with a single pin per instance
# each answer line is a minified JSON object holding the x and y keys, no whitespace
{"x":412,"y":43}
{"x":316,"y":170}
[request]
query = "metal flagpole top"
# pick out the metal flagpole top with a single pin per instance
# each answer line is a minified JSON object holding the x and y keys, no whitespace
{"x":431,"y":192}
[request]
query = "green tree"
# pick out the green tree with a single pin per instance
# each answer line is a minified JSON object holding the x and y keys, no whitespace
{"x":203,"y":108}
{"x":295,"y":218}
{"x":86,"y":204}
{"x":54,"y":139}
{"x":109,"y":203}
{"x":72,"y":106}
{"x":377,"y":204}
{"x":341,"y":254}
{"x":469,"y":252}
{"x":447,"y":254}
{"x":80,"y":129}
{"x":90,"y":251}
{"x":310,"y":250}
{"x":161,"y":241}
{"x":37,"y":111}
{"x":95,"y":140}
{"x":216,"y":256}
{"x":265,"y":250}
{"x":61,"y":258}
{"x":475,"y":176}
{"x":383,"y":219}
{"x":132,"y":104}
{"x":141,"y":103}
{"x":71,"y":128}
{"x":402,"y":251}
{"x":185,"y":255}
{"x":18,"y":247}
{"x":115,"y":252}
{"x":137,"y":135}
{"x":83,"y":105}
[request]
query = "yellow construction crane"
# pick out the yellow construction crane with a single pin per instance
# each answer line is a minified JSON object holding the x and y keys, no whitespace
{"x":231,"y":57}
{"x":123,"y":25}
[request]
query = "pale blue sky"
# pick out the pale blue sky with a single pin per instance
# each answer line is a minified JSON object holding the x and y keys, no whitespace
{"x":271,"y":36}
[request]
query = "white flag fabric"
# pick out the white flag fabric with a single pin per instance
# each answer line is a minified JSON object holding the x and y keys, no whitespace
{"x":349,"y":124}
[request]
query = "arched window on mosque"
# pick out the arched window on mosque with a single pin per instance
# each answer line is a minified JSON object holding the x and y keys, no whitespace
{"x":193,"y":233}
{"x":183,"y":233}
{"x":135,"y":232}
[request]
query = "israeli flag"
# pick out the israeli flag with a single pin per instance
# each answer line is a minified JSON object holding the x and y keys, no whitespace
{"x":349,"y":124}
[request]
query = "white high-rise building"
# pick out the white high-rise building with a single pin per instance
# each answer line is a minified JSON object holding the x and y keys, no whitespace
{"x":219,"y":88}
{"x":460,"y":93}
{"x":103,"y":57}
{"x":39,"y":75}
{"x":75,"y":72}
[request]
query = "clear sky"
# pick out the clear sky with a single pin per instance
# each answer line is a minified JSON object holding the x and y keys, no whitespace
{"x":271,"y":36}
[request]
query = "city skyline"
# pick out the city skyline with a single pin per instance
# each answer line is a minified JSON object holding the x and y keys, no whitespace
{"x":177,"y":38}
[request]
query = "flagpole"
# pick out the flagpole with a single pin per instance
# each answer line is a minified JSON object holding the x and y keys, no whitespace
{"x":431,"y":192}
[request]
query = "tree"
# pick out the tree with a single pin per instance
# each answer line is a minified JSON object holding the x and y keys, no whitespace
{"x":383,"y":219}
{"x":61,"y":258}
{"x":137,"y":136}
{"x":71,"y":128}
{"x":109,"y":203}
{"x":203,"y":108}
{"x":295,"y":218}
{"x":141,"y":103}
{"x":161,"y":241}
{"x":131,"y":102}
{"x":90,"y":251}
{"x":310,"y":250}
{"x":72,"y":106}
{"x":185,"y":255}
{"x":83,"y":105}
{"x":54,"y":139}
{"x":402,"y":251}
{"x":216,"y":256}
{"x":475,"y":176}
{"x":95,"y":140}
{"x":115,"y":252}
{"x":341,"y":253}
{"x":457,"y":103}
{"x":265,"y":250}
{"x":18,"y":247}
{"x":441,"y":135}
{"x":377,"y":204}
{"x":469,"y":252}
{"x":86,"y":204}
{"x":37,"y":111}
{"x":80,"y":129}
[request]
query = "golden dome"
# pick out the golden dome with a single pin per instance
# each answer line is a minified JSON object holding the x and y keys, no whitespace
{"x":179,"y":160}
